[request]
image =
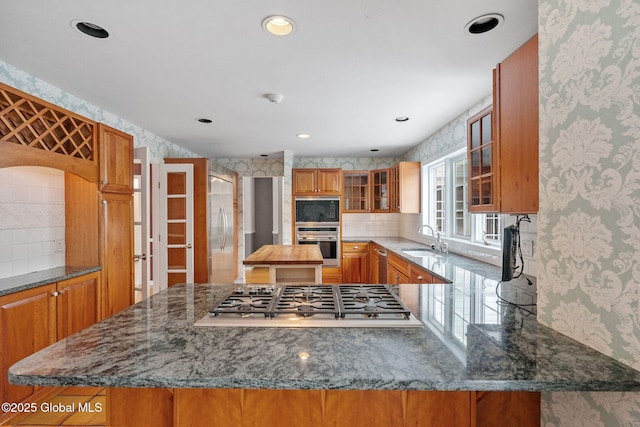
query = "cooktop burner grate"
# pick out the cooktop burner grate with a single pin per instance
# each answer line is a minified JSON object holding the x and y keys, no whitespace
{"x":307,"y":301}
{"x":246,"y":301}
{"x":370,"y":301}
{"x":325,"y":301}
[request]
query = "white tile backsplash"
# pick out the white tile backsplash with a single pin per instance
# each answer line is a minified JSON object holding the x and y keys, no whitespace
{"x":31,"y":219}
{"x":370,"y":224}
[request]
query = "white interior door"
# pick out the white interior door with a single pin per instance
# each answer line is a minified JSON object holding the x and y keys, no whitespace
{"x":141,"y":224}
{"x":175,"y":231}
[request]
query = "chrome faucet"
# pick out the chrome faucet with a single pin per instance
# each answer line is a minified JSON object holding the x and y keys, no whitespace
{"x":426,"y":226}
{"x":439,"y":245}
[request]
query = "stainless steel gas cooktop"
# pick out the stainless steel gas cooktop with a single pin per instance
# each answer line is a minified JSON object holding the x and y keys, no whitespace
{"x":311,"y":306}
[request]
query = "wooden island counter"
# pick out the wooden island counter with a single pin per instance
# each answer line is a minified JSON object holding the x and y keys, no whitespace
{"x":287,"y":263}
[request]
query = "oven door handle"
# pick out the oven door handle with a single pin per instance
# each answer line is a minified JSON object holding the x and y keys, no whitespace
{"x":317,"y":239}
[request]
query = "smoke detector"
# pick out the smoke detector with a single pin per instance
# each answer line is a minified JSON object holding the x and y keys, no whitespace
{"x":276,"y":98}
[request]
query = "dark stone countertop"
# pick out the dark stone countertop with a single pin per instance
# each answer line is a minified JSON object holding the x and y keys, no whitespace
{"x":23,"y":282}
{"x":469,"y":341}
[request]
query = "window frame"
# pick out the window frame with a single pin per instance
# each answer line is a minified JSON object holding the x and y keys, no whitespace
{"x":476,"y":221}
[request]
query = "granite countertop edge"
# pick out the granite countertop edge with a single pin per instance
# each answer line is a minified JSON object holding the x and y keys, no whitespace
{"x":23,"y":282}
{"x":331,"y":384}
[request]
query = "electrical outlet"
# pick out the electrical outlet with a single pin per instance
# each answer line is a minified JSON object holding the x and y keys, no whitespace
{"x":527,"y":248}
{"x":58,"y":245}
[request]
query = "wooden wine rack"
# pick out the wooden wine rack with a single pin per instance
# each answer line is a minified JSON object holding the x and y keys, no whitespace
{"x":36,"y":129}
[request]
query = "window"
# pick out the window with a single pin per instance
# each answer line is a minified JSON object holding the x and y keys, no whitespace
{"x":438,"y":197}
{"x":445,"y":203}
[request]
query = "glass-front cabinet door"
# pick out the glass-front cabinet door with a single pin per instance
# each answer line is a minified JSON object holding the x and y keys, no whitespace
{"x":380,"y":190}
{"x":481,"y":155}
{"x":355,"y":191}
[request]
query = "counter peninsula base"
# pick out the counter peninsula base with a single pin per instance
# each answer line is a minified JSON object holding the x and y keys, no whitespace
{"x":318,"y":408}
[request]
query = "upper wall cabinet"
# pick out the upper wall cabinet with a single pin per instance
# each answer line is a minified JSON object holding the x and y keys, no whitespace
{"x":317,"y":182}
{"x":380,"y":190}
{"x":404,"y":187}
{"x":515,"y":103}
{"x":34,"y":132}
{"x":482,"y":168}
{"x":502,"y":141}
{"x":116,"y":160}
{"x":355,"y":191}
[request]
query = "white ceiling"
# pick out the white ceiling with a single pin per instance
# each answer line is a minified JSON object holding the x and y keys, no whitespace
{"x":348,"y":70}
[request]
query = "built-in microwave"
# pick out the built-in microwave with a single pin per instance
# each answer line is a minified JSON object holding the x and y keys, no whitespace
{"x":317,"y":210}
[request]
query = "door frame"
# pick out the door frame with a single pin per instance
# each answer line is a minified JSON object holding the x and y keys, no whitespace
{"x":160,"y":232}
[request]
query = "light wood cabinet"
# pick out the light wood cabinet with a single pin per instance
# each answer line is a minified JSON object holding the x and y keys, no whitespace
{"x":116,"y":252}
{"x":395,"y":276}
{"x":404,"y":187}
{"x":380,"y":190}
{"x":397,"y":270}
{"x":515,"y":103}
{"x":420,"y":276}
{"x":317,"y":182}
{"x":34,"y":132}
{"x":116,"y":160}
{"x":502,"y":140}
{"x":27,"y":325}
{"x":356,"y":191}
{"x":396,"y":189}
{"x":481,"y":155}
{"x":77,"y":304}
{"x":337,"y":408}
{"x":374,"y":262}
{"x":332,"y":275}
{"x":355,"y":262}
{"x":507,"y":408}
{"x":99,"y":231}
{"x":33,"y":319}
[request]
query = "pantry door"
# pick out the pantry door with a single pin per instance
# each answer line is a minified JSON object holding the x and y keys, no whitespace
{"x":175,"y":236}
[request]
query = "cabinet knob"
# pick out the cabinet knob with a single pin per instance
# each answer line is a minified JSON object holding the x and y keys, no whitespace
{"x":419,"y":277}
{"x":355,"y":247}
{"x":54,"y":293}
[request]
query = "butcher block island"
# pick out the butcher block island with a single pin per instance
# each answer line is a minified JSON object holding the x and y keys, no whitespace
{"x":287,"y":263}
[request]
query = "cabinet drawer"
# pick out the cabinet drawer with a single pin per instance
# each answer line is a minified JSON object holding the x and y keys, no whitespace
{"x":418,"y":275}
{"x":399,"y":263}
{"x":356,"y":247}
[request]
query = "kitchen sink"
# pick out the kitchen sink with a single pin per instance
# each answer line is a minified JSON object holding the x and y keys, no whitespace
{"x":421,"y":253}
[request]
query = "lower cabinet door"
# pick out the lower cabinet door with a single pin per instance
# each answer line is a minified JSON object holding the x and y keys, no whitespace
{"x":77,"y":304}
{"x":117,"y":252}
{"x":27,"y":325}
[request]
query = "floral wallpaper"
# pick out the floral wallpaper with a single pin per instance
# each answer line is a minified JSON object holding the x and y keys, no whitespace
{"x":448,"y":139}
{"x":347,"y":163}
{"x":159,"y":148}
{"x":589,"y":219}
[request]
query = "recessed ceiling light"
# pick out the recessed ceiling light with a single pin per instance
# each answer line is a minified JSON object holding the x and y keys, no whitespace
{"x":90,"y":29}
{"x":484,"y":23}
{"x":402,"y":119}
{"x":303,"y":135}
{"x":278,"y":25}
{"x":204,"y":120}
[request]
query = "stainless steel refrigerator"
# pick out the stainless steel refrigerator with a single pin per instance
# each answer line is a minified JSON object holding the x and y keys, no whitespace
{"x":221,"y":226}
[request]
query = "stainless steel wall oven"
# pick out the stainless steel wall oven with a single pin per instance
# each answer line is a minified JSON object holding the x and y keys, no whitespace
{"x":318,"y":223}
{"x":326,"y":237}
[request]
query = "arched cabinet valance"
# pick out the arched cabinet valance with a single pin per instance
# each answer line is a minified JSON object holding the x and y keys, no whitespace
{"x":34,"y":132}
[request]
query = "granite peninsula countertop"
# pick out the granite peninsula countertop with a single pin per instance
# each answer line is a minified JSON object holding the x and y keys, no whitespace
{"x":469,"y":342}
{"x":35,"y":279}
